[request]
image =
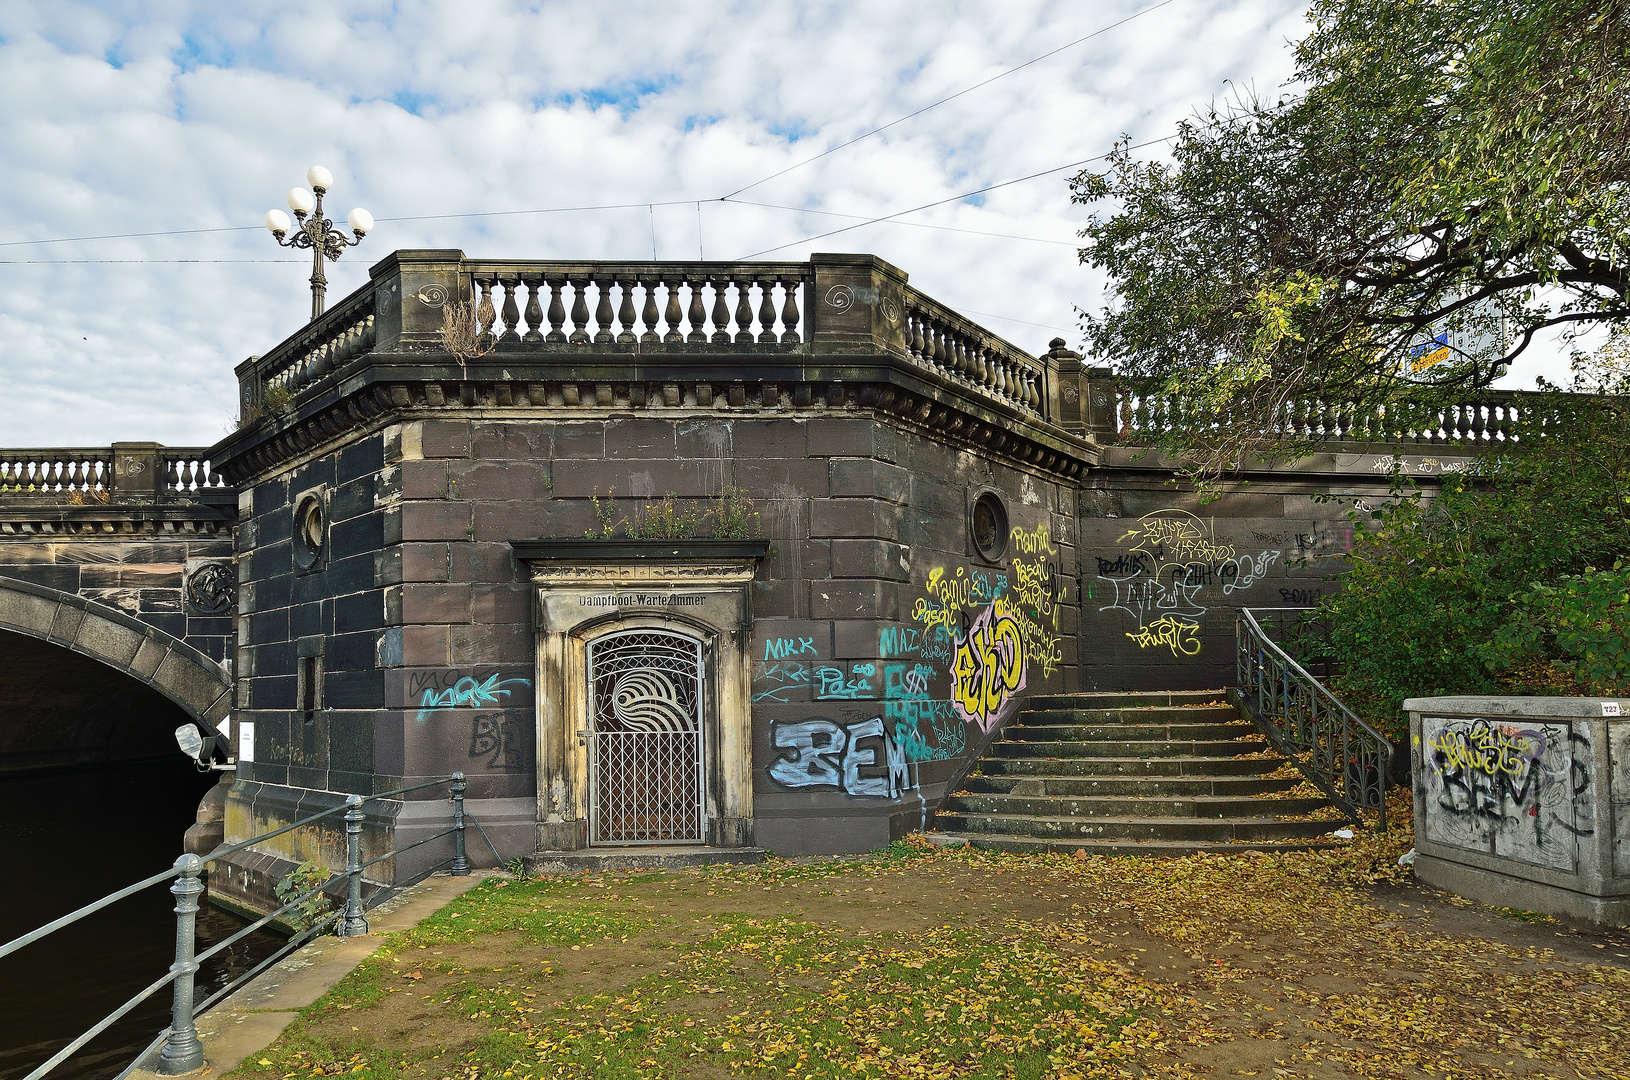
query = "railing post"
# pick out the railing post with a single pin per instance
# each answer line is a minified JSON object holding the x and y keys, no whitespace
{"x":182,"y":1051}
{"x":352,"y":923}
{"x":461,"y":864}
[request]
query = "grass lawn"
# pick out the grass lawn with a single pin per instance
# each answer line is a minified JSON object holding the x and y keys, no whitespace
{"x":915,"y":962}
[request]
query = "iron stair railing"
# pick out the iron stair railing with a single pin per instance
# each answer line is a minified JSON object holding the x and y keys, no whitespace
{"x":1343,"y":756}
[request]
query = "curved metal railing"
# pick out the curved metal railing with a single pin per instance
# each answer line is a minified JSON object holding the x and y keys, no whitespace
{"x":182,"y":1051}
{"x":1345,"y":757}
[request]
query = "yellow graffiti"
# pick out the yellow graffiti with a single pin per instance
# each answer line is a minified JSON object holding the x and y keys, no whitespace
{"x":1032,"y":541}
{"x":1172,"y":632}
{"x":988,"y":668}
{"x":1042,"y":644}
{"x":1490,"y":750}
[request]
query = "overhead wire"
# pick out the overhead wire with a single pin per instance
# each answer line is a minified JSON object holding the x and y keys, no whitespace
{"x":953,"y":198}
{"x":952,"y":97}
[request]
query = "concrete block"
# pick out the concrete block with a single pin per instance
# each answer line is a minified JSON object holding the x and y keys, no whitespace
{"x":506,"y":521}
{"x":183,"y":679}
{"x":856,"y":518}
{"x":508,"y":439}
{"x":109,"y":641}
{"x":446,"y":603}
{"x":489,"y":562}
{"x":424,"y":479}
{"x":865,"y":478}
{"x":640,"y":439}
{"x":424,"y":562}
{"x":578,"y":441}
{"x":425,"y":646}
{"x":27,"y":612}
{"x":444,"y":439}
{"x":437,"y":521}
{"x":65,"y":626}
{"x":483,"y":481}
{"x":870,"y":559}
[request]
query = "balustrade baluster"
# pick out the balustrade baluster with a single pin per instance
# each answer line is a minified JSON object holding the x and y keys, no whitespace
{"x":721,"y":310}
{"x":917,"y":343}
{"x":534,"y":311}
{"x":485,"y":316}
{"x":580,"y":311}
{"x":648,"y":312}
{"x":512,"y":313}
{"x":766,"y":310}
{"x":979,"y":366}
{"x":602,"y":310}
{"x":1032,"y":383}
{"x":557,"y":309}
{"x":1477,"y":425}
{"x":697,"y":313}
{"x":625,"y":311}
{"x":671,"y":312}
{"x":744,"y":310}
{"x":789,"y":310}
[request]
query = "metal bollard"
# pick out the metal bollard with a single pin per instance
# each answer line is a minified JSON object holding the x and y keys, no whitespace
{"x":461,"y":864}
{"x":352,"y":922}
{"x":182,"y":1051}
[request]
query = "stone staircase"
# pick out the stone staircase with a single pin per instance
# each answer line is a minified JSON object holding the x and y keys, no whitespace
{"x":1167,"y":773}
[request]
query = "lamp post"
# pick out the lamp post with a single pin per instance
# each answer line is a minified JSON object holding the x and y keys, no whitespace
{"x":315,"y":231}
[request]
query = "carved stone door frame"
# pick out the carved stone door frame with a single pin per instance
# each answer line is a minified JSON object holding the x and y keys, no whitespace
{"x":587,"y":589}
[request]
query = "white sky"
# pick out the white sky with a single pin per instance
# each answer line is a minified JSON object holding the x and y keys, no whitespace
{"x":150,"y":117}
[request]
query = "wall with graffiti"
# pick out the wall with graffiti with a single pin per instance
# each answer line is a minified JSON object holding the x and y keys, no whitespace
{"x":884,"y":711}
{"x":1521,"y":790}
{"x":1161,"y":586}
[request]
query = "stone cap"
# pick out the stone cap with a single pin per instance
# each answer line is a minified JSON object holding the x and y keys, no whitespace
{"x":1515,"y":706}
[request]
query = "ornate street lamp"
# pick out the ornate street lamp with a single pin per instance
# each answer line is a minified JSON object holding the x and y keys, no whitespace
{"x":317,"y":232}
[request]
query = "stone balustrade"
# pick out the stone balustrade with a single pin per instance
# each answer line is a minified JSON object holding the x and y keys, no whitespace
{"x":121,"y":473}
{"x":1125,"y":413}
{"x":687,"y":322}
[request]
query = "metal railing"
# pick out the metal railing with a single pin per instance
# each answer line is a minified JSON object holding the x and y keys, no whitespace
{"x":182,"y":1052}
{"x":1343,"y":756}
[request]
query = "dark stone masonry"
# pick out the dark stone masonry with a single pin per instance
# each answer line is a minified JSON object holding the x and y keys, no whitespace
{"x":721,"y":557}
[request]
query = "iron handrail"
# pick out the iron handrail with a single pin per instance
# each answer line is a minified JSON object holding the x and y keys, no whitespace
{"x":182,"y":1052}
{"x":1343,"y":756}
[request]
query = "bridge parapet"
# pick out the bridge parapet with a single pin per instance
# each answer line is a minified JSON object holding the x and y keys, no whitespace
{"x":1126,"y":411}
{"x":121,"y":473}
{"x":837,"y":330}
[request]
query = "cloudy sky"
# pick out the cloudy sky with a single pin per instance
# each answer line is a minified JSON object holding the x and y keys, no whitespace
{"x":189,"y":120}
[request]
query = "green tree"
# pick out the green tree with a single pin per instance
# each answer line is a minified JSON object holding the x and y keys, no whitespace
{"x":1435,"y":165}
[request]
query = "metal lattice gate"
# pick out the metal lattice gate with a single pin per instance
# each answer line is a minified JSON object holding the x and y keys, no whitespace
{"x":645,"y":740}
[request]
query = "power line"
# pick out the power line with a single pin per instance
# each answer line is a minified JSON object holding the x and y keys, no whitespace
{"x":953,"y":198}
{"x":943,"y":100}
{"x":912,"y":224}
{"x":64,"y":262}
{"x":127,"y":236}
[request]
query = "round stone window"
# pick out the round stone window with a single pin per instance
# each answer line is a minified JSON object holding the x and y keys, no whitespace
{"x":989,"y":526}
{"x":310,"y":531}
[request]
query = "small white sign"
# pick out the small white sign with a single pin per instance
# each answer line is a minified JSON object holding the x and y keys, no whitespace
{"x":225,"y":727}
{"x":1610,"y":708}
{"x":246,"y":741}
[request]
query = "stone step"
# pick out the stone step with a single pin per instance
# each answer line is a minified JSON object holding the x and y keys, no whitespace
{"x":1128,"y":732}
{"x":1153,"y":848}
{"x":1126,"y":699}
{"x":1151,"y":804}
{"x":1234,"y":786}
{"x":1203,"y":715}
{"x":1112,"y":767}
{"x":1133,"y":828}
{"x":1126,"y":748}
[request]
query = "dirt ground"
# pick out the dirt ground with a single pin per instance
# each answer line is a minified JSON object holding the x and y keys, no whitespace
{"x":1248,"y":965}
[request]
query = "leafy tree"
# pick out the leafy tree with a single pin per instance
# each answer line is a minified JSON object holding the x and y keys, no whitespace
{"x":1435,"y":165}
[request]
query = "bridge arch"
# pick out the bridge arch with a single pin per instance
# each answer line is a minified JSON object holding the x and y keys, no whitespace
{"x":178,"y":671}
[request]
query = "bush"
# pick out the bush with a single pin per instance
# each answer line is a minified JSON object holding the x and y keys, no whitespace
{"x":1493,"y":586}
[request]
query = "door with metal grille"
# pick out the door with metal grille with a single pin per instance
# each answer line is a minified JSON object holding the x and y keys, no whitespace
{"x":645,"y":739}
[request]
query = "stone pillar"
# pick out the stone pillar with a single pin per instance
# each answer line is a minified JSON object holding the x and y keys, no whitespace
{"x":855,"y":304}
{"x":412,"y":290}
{"x":138,"y":474}
{"x":1102,"y":402}
{"x":1065,"y":408}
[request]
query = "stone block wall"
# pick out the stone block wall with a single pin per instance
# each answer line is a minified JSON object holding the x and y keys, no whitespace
{"x":423,"y":619}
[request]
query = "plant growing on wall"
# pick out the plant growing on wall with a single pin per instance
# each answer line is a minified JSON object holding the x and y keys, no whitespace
{"x":303,"y":878}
